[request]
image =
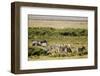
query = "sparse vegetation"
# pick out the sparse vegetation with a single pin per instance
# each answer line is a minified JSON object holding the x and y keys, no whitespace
{"x":57,"y":37}
{"x":75,"y":37}
{"x":33,"y":32}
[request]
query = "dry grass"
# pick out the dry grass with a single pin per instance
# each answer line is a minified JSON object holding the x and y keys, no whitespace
{"x":74,"y":41}
{"x":32,"y":58}
{"x":58,"y":24}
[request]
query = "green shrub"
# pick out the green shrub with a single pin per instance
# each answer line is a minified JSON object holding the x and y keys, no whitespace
{"x":44,"y":31}
{"x":36,"y":51}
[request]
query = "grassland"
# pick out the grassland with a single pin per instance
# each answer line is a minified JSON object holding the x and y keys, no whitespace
{"x":74,"y":37}
{"x":74,"y":33}
{"x":32,"y":58}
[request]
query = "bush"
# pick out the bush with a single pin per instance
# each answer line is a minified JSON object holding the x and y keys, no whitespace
{"x":36,"y":51}
{"x":74,"y":32}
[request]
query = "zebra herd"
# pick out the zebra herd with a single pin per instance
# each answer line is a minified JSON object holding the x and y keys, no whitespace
{"x":66,"y":49}
{"x":60,"y":48}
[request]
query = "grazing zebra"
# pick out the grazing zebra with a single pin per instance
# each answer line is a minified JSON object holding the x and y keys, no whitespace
{"x":81,"y":50}
{"x":39,"y":43}
{"x":44,"y":43}
{"x":66,"y":48}
{"x":35,"y":43}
